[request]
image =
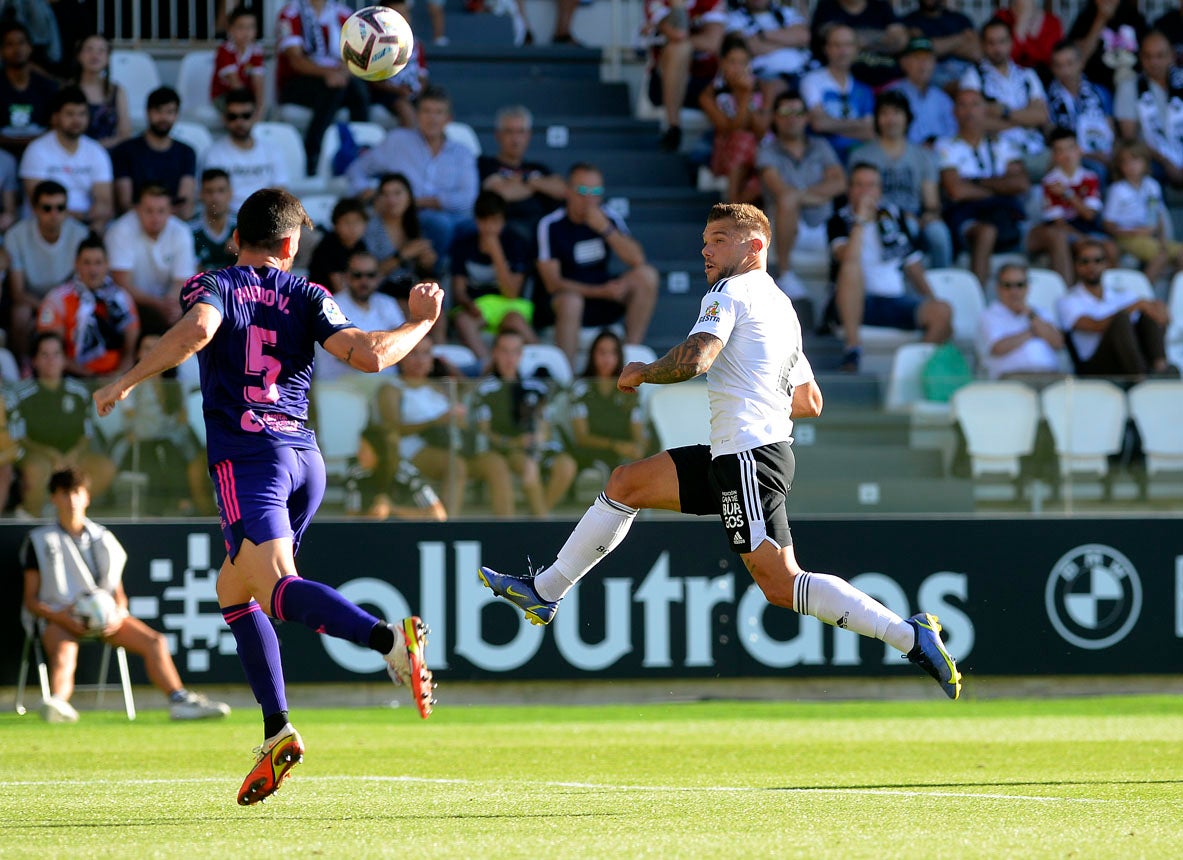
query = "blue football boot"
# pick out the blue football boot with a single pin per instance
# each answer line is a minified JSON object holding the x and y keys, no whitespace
{"x":519,"y":590}
{"x":930,"y":655}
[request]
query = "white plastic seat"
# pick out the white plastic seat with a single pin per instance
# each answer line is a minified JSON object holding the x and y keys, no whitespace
{"x":281,"y":138}
{"x":1087,"y":418}
{"x":1044,"y":289}
{"x":364,"y":133}
{"x":456,"y":354}
{"x":463,"y":134}
{"x":1128,"y":281}
{"x":136,"y":72}
{"x":197,"y":136}
{"x":194,"y":76}
{"x":1175,"y":329}
{"x":681,"y":414}
{"x":905,"y":387}
{"x":539,"y":355}
{"x":962,"y":290}
{"x":342,"y":413}
{"x":999,"y":421}
{"x":195,"y":414}
{"x":1157,"y":409}
{"x":638,"y":352}
{"x":320,"y":209}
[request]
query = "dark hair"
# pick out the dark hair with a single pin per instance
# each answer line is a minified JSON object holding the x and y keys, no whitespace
{"x":589,"y":370}
{"x":1087,"y":242}
{"x":359,"y":251}
{"x":411,"y":217}
{"x":46,"y":188}
{"x":789,"y":95}
{"x":895,"y":99}
{"x":163,"y":96}
{"x":212,"y":173}
{"x":732,"y":41}
{"x":268,"y":217}
{"x":865,"y":165}
{"x":14,"y":26}
{"x":434,"y":93}
{"x":583,"y":165}
{"x":1066,"y":45}
{"x":152,"y":189}
{"x":68,"y":480}
{"x":488,"y":204}
{"x":43,"y":336}
{"x":997,"y":22}
{"x":1060,"y":133}
{"x":240,"y":11}
{"x":240,"y":96}
{"x":71,"y":94}
{"x":348,"y":206}
{"x":93,"y":242}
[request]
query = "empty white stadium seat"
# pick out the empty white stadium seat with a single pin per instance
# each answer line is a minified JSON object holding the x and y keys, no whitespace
{"x":1157,"y":409}
{"x":999,"y":420}
{"x":136,"y":72}
{"x":197,"y":136}
{"x":960,"y":289}
{"x":545,"y":355}
{"x":193,"y":84}
{"x":286,"y":141}
{"x":365,"y":134}
{"x":1087,"y":418}
{"x":1128,"y":281}
{"x":905,"y":387}
{"x":1044,"y":289}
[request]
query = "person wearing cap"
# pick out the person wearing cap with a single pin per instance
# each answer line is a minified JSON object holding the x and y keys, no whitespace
{"x":951,"y":34}
{"x":932,"y":109}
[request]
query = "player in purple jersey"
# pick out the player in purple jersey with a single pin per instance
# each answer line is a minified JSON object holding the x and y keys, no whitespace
{"x":254,"y":328}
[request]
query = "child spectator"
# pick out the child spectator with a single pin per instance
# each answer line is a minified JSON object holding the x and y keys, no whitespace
{"x":398,"y":94}
{"x":777,"y":35}
{"x":489,"y":269}
{"x":213,"y":229}
{"x":331,"y":256}
{"x":735,"y":108}
{"x":110,"y":122}
{"x":1135,"y":215}
{"x":238,"y":63}
{"x":1071,"y":206}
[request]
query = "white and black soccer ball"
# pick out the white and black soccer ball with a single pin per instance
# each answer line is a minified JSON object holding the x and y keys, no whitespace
{"x":376,"y":43}
{"x":97,"y":610}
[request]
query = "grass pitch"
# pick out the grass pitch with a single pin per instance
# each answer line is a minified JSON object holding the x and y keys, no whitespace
{"x":1099,"y":777}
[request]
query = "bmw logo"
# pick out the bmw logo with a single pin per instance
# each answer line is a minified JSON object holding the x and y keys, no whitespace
{"x":1093,"y":596}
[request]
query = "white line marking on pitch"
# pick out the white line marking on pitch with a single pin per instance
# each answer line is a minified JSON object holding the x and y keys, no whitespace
{"x":718,"y":789}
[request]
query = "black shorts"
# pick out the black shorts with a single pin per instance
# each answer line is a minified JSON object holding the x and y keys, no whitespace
{"x":746,"y":491}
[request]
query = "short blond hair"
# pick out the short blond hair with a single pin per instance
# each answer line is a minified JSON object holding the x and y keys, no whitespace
{"x":746,"y":217}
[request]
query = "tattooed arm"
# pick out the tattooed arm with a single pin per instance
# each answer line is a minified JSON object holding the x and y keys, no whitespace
{"x":690,"y":358}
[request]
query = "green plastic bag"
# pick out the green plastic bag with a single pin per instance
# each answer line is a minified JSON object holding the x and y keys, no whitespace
{"x":945,"y":371}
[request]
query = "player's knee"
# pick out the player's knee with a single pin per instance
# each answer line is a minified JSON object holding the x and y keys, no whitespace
{"x":623,"y":486}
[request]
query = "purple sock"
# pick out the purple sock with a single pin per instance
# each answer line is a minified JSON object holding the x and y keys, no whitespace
{"x":258,"y":649}
{"x":321,"y":608}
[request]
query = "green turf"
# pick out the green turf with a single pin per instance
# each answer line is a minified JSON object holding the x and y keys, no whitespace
{"x":1078,"y":778}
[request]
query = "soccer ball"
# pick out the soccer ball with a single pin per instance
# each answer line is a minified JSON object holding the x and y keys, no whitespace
{"x":96,"y":609}
{"x":376,"y":43}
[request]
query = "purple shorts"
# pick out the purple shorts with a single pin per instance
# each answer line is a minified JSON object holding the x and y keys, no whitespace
{"x":264,"y":498}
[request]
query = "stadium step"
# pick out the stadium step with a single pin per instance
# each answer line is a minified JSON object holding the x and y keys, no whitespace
{"x":553,"y":133}
{"x":478,"y":99}
{"x":456,"y":64}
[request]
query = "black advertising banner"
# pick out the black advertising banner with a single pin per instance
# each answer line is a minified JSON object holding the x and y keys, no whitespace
{"x":1016,"y":596}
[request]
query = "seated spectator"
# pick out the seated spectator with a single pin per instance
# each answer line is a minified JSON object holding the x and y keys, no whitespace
{"x":238,"y":63}
{"x":1107,"y":32}
{"x":442,"y":172}
{"x":954,"y":42}
{"x":909,"y":176}
{"x":10,"y":451}
{"x":52,"y":418}
{"x":530,"y":189}
{"x":362,"y":305}
{"x":873,"y":251}
{"x":1071,"y":207}
{"x":983,"y":182}
{"x":331,"y":256}
{"x":489,"y":271}
{"x":41,"y":249}
{"x":840,"y":106}
{"x":26,"y":95}
{"x":9,"y":191}
{"x":214,"y":228}
{"x":156,"y":158}
{"x":38,"y":17}
{"x":398,"y":93}
{"x":155,"y":440}
{"x":575,"y":249}
{"x":510,"y":415}
{"x":64,"y":560}
{"x":152,"y":255}
{"x":801,"y":176}
{"x":106,"y":101}
{"x":95,"y":317}
{"x":1075,"y":103}
{"x":1136,"y":215}
{"x":735,"y":108}
{"x":608,"y":425}
{"x":931,"y":107}
{"x":395,"y":237}
{"x":879,"y":36}
{"x":1016,"y":105}
{"x":1111,"y":332}
{"x":777,"y":36}
{"x":309,"y":70}
{"x":1148,"y":108}
{"x":1171,"y":26}
{"x":1035,"y":31}
{"x":387,"y":487}
{"x":684,"y":39}
{"x":249,"y":165}
{"x":71,"y":158}
{"x":1015,"y":340}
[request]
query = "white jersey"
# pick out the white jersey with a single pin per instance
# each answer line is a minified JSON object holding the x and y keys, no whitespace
{"x":750,"y":384}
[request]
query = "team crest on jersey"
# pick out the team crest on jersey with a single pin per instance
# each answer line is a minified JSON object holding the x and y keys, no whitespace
{"x":333,"y":312}
{"x":711,"y":314}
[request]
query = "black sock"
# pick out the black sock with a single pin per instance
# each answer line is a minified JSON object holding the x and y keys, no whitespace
{"x":273,"y":723}
{"x":382,"y":639}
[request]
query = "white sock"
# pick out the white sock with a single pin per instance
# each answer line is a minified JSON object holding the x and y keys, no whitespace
{"x":600,"y":531}
{"x":839,"y":604}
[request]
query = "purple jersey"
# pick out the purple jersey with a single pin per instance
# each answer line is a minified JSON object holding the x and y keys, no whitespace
{"x":256,"y":371}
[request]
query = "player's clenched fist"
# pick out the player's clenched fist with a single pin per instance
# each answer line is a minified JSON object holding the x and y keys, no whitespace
{"x":426,"y":301}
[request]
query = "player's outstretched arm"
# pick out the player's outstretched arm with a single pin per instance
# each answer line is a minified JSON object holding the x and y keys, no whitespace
{"x":373,"y":351}
{"x":692,"y":357}
{"x":192,"y":332}
{"x":807,"y":400}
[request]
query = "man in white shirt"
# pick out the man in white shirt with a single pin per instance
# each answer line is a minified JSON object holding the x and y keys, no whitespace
{"x":749,"y":339}
{"x":1016,"y":340}
{"x":66,"y":155}
{"x":362,"y":304}
{"x":151,"y":256}
{"x":1111,"y":332}
{"x":1149,"y":107}
{"x":249,"y":165}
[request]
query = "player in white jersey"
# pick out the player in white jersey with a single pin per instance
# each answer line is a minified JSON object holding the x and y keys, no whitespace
{"x":749,"y":338}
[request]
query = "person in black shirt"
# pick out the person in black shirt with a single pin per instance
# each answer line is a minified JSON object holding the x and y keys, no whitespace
{"x":154,"y":158}
{"x":530,"y":188}
{"x":331,"y":257}
{"x":25,"y":93}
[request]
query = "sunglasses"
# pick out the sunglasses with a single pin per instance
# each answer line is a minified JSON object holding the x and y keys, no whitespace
{"x":1090,"y":261}
{"x":589,"y":190}
{"x":368,"y":275}
{"x":1012,"y":285}
{"x":52,"y":207}
{"x":231,"y":117}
